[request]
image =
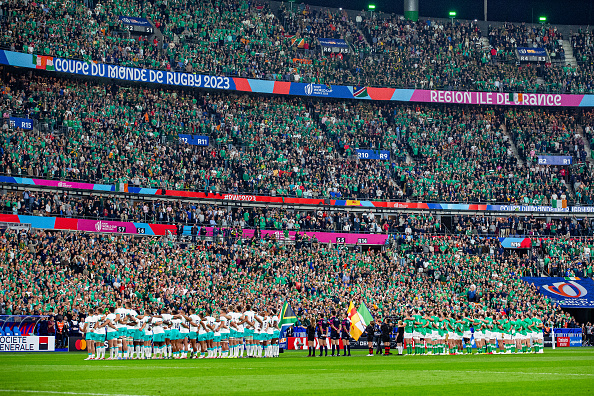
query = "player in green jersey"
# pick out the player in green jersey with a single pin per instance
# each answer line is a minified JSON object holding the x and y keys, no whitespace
{"x":409,"y":326}
{"x":537,"y":337}
{"x":467,"y":323}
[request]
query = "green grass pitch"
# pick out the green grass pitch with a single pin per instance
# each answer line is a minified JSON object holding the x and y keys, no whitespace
{"x":563,"y":371}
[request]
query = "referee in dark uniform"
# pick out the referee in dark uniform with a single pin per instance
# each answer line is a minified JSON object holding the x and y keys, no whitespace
{"x":386,"y":329}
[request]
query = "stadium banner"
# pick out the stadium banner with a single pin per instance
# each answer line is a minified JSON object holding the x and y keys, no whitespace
{"x":76,"y":344}
{"x":555,"y":160}
{"x":59,"y":223}
{"x":567,"y":292}
{"x":296,"y":201}
{"x":23,"y":123}
{"x":531,"y":54}
{"x":292,"y":200}
{"x":128,"y":20}
{"x":194,"y":140}
{"x":570,"y":337}
{"x":27,"y":343}
{"x":93,"y":69}
{"x":383,"y":155}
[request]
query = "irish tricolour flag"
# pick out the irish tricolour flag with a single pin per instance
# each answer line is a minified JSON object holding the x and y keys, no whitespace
{"x":516,"y":97}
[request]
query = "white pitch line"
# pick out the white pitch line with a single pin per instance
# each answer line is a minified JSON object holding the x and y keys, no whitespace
{"x":527,"y":373}
{"x":65,"y":393}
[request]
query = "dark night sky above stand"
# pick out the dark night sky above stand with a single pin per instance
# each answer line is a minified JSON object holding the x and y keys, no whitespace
{"x":568,"y":12}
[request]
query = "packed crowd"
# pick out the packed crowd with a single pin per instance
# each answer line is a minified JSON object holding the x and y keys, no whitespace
{"x":285,"y":146}
{"x":62,"y":204}
{"x":248,"y":39}
{"x":47,"y":272}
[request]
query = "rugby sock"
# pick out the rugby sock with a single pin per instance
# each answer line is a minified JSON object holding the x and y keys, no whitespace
{"x":333,"y":347}
{"x":468,"y":348}
{"x":408,"y":349}
{"x":524,"y":348}
{"x":387,"y":350}
{"x":371,"y":351}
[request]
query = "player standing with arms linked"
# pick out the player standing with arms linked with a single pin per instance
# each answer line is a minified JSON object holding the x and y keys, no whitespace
{"x":335,"y":333}
{"x":345,"y":328}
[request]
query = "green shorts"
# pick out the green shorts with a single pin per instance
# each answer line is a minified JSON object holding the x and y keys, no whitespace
{"x":173,"y":334}
{"x":192,"y":335}
{"x":202,"y":337}
{"x":111,"y":335}
{"x":217,"y":338}
{"x":147,"y":337}
{"x":138,"y":335}
{"x":99,"y":337}
{"x":159,"y":337}
{"x":183,"y":336}
{"x":225,"y":336}
{"x":89,"y":337}
{"x":210,"y":335}
{"x":276,"y":334}
{"x":122,"y":332}
{"x":168,"y":334}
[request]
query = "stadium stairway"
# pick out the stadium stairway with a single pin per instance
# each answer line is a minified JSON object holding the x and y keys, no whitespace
{"x":512,"y":144}
{"x":569,"y":58}
{"x":587,"y":147}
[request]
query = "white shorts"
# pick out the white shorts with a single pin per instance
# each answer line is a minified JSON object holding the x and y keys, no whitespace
{"x":479,"y":335}
{"x":505,"y":336}
{"x":538,"y":336}
{"x":408,"y":336}
{"x":435,"y":335}
{"x":467,"y":334}
{"x":488,"y":335}
{"x":454,"y":336}
{"x":417,"y":334}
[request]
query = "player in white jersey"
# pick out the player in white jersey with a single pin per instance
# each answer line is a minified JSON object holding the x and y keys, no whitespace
{"x":146,"y":334}
{"x":209,"y":323}
{"x":194,"y":322}
{"x":217,"y":345}
{"x":100,"y":335}
{"x":226,"y":328}
{"x":273,"y":333}
{"x":166,"y":316}
{"x":158,"y":337}
{"x":89,"y":328}
{"x":249,"y":323}
{"x":184,"y":335}
{"x":237,"y":333}
{"x":112,"y":334}
{"x":122,"y":347}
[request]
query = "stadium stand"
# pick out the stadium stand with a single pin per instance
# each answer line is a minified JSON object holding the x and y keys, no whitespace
{"x":250,"y":39}
{"x":281,"y":146}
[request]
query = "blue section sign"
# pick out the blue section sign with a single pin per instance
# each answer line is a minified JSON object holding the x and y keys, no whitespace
{"x":567,"y":292}
{"x":24,"y":123}
{"x":554,"y":160}
{"x":128,"y":20}
{"x":383,"y":155}
{"x":195,"y":140}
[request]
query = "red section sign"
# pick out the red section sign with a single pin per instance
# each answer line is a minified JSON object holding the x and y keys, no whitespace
{"x":562,"y":341}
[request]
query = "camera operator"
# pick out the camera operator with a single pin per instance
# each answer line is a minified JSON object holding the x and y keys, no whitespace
{"x":386,"y":329}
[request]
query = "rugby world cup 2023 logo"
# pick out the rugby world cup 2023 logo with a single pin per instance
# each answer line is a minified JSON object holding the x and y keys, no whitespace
{"x":566,"y":289}
{"x":308,"y":89}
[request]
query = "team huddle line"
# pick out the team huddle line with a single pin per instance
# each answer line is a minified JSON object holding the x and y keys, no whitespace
{"x":173,"y":334}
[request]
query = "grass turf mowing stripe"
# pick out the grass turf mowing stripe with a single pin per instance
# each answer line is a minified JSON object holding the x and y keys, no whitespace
{"x":292,"y":373}
{"x":63,"y":393}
